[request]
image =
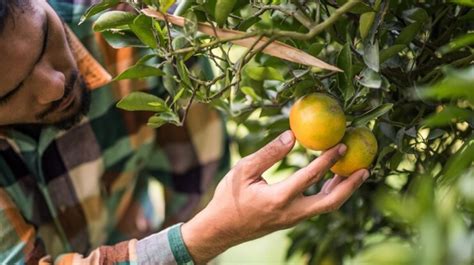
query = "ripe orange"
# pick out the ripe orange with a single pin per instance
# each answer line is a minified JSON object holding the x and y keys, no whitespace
{"x":361,"y":150}
{"x":318,"y":121}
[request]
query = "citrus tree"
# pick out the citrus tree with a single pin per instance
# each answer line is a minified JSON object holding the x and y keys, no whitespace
{"x":404,"y":69}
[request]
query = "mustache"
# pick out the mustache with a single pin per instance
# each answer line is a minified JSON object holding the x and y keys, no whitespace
{"x":68,"y":88}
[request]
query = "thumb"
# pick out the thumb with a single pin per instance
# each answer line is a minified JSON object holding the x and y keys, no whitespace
{"x":268,"y":155}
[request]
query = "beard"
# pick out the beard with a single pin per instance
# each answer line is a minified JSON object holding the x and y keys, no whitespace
{"x":75,"y":82}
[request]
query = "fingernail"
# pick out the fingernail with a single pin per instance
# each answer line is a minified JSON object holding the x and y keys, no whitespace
{"x":366,"y":175}
{"x":342,"y":149}
{"x":286,"y":137}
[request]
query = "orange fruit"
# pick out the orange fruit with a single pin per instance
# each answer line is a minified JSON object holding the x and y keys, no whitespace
{"x":361,"y":150}
{"x":318,"y":121}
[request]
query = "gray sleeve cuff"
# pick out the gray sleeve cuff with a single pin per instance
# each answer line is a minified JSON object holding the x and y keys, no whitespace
{"x":164,"y":248}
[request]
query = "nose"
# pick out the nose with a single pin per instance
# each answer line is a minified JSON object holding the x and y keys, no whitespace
{"x":50,"y":87}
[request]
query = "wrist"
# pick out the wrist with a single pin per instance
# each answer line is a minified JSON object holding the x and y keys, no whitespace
{"x":204,"y":239}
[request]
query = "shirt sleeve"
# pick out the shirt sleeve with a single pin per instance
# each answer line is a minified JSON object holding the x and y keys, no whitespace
{"x":19,"y":244}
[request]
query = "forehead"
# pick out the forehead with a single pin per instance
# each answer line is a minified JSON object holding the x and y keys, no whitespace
{"x":20,"y":41}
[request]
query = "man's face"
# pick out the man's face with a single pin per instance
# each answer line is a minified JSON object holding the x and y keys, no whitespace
{"x":39,"y":81}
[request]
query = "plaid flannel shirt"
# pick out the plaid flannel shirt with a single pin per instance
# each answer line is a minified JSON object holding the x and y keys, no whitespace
{"x":88,"y":195}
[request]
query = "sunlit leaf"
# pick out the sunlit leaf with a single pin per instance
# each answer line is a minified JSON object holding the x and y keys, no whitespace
{"x":141,"y":101}
{"x":469,"y":3}
{"x":142,"y":27}
{"x":365,"y":23}
{"x":166,"y":4}
{"x":139,"y":71}
{"x":96,"y":9}
{"x":458,"y":43}
{"x":448,"y":115}
{"x":112,"y":20}
{"x":457,"y":84}
{"x":260,"y":73}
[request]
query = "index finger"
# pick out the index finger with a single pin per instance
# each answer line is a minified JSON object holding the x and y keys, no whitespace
{"x":323,"y":203}
{"x":307,"y":176}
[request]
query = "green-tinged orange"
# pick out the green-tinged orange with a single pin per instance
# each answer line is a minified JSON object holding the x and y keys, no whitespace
{"x":318,"y":121}
{"x":361,"y":150}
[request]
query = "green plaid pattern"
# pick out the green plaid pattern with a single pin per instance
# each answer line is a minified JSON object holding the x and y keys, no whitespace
{"x":69,"y":194}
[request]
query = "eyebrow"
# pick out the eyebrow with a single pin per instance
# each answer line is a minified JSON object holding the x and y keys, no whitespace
{"x":45,"y":31}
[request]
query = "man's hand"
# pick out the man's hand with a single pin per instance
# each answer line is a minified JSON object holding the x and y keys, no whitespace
{"x":245,"y":207}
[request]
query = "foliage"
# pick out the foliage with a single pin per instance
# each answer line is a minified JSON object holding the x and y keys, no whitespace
{"x":408,"y":74}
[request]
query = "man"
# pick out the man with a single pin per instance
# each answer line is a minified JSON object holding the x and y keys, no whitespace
{"x":75,"y":171}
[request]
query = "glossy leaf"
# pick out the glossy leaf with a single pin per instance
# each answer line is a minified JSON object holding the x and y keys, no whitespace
{"x":365,"y":22}
{"x":122,"y":39}
{"x":344,"y":80}
{"x":139,"y":71}
{"x":371,"y":56}
{"x":97,"y":8}
{"x":112,"y":20}
{"x":141,"y":101}
{"x":142,"y":27}
{"x":369,"y":78}
{"x":372,"y":114}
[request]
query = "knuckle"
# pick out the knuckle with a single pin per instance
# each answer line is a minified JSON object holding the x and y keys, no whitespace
{"x":277,"y":203}
{"x":244,"y":164}
{"x":331,"y":205}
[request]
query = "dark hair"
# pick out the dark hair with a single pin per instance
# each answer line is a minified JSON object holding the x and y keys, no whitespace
{"x":7,"y":7}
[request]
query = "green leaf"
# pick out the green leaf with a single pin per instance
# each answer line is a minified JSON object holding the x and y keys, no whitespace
{"x":223,"y":9}
{"x":315,"y":48}
{"x":165,"y":5}
{"x":113,"y":20}
{"x":447,"y":116}
{"x":416,"y":15}
{"x":359,"y":8}
{"x":179,"y":42}
{"x":391,"y":51}
{"x":96,"y":9}
{"x":458,"y":163}
{"x":458,"y":43}
{"x":250,"y":92}
{"x":141,"y":101}
{"x":469,"y":3}
{"x":179,"y":94}
{"x":169,"y":79}
{"x":344,"y":79}
{"x":261,"y":73}
{"x":436,"y":133}
{"x":122,"y":39}
{"x":389,"y":253}
{"x":139,"y":71}
{"x":162,"y":118}
{"x":409,"y":33}
{"x":371,"y":55}
{"x":183,"y":6}
{"x":142,"y":26}
{"x":370,"y":78}
{"x":365,"y":23}
{"x":183,"y":73}
{"x":457,"y":84}
{"x":190,"y":24}
{"x":372,"y":114}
